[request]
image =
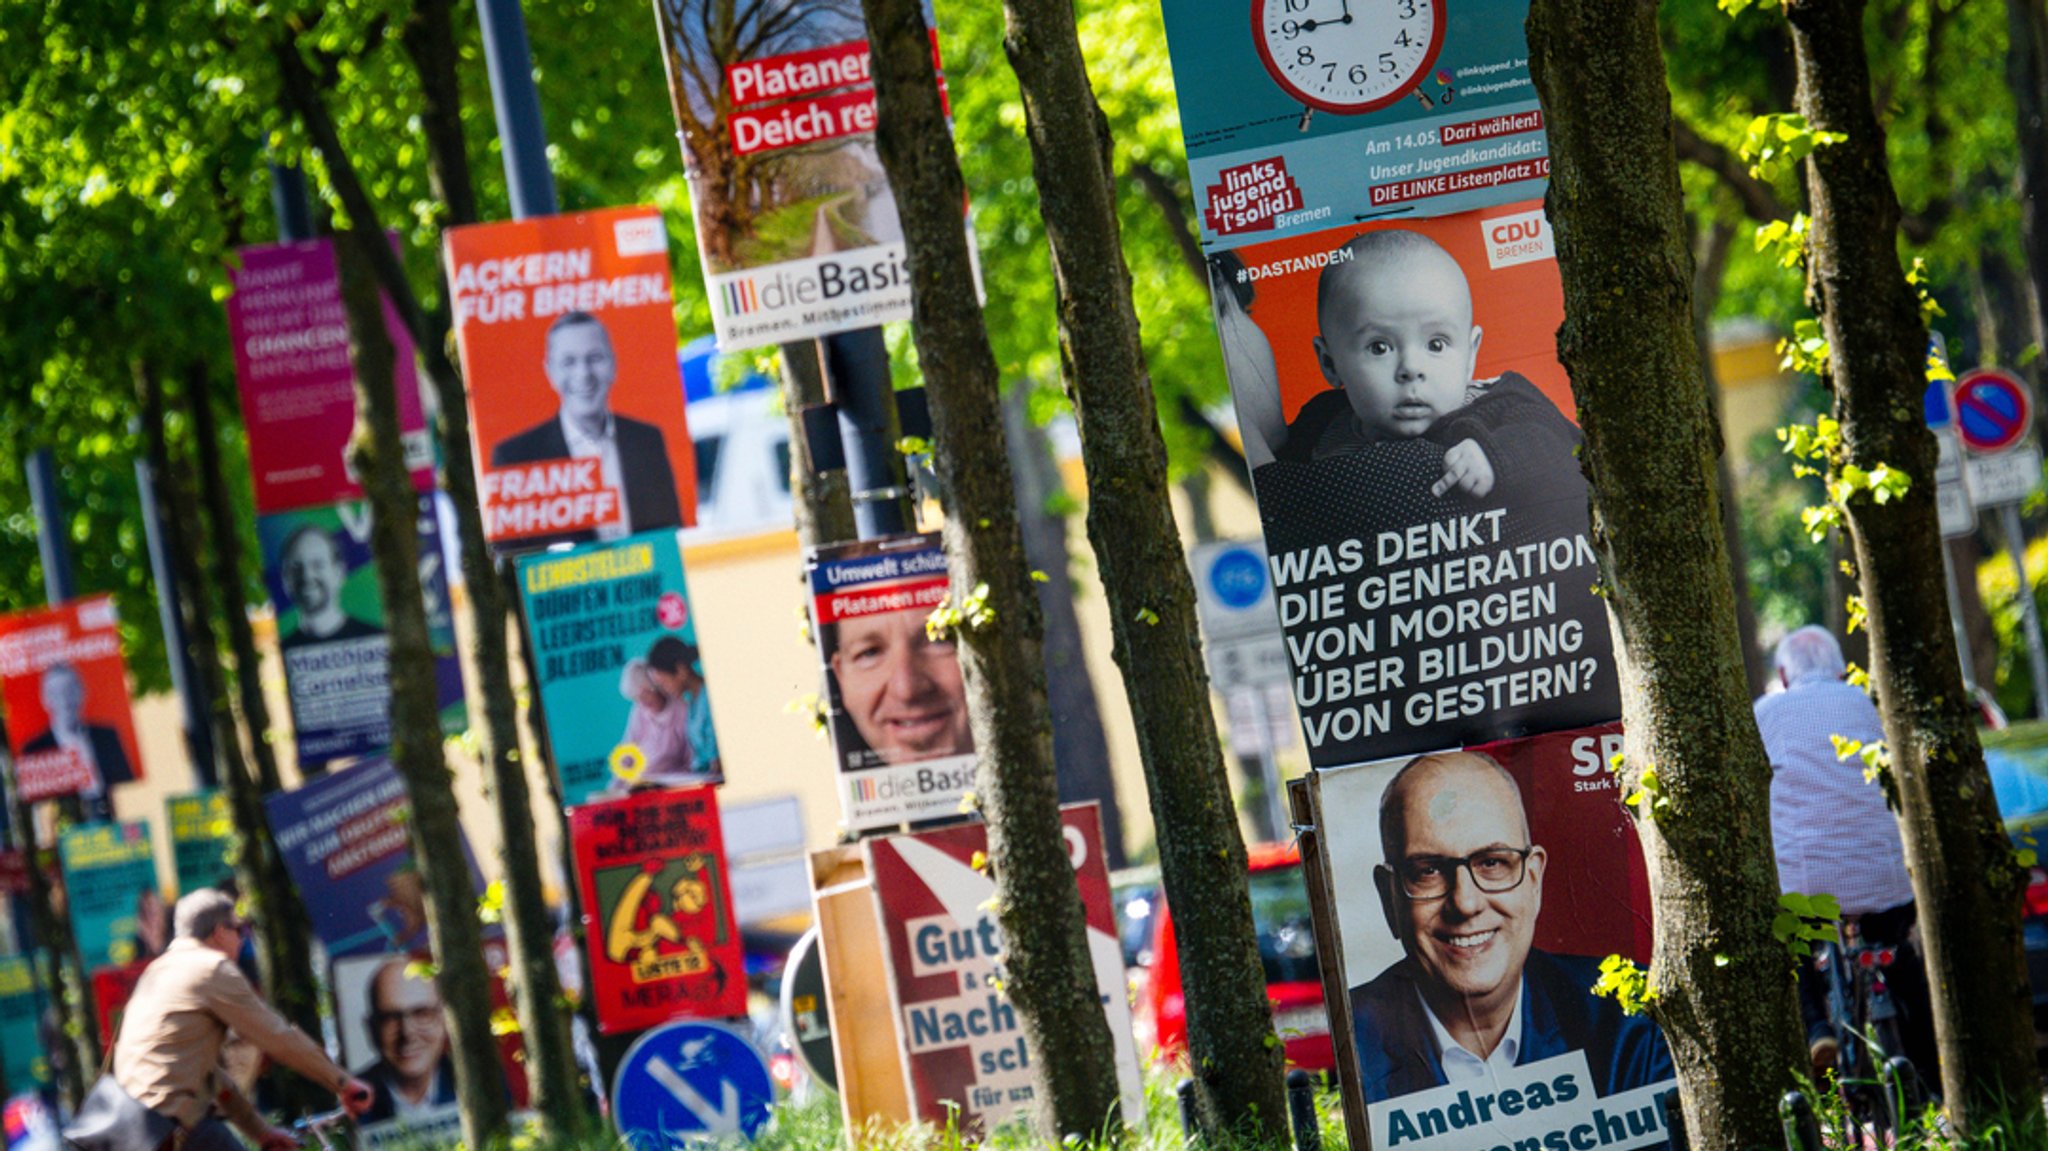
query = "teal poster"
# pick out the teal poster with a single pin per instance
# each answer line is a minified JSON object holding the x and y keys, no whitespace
{"x":330,"y":628}
{"x":202,"y":832}
{"x":621,"y":680}
{"x":1302,"y":115}
{"x":23,"y":1066}
{"x":109,"y":877}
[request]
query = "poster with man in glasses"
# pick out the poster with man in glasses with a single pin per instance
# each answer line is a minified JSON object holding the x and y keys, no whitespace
{"x":1476,"y":893}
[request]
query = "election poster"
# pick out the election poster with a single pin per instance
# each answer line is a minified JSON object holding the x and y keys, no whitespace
{"x":1297,"y":121}
{"x":322,"y":576}
{"x":796,"y":225}
{"x":110,"y":884}
{"x":66,"y":690}
{"x":568,"y":339}
{"x":1415,"y":460}
{"x":390,"y":1018}
{"x":963,"y":1050}
{"x":621,"y":680}
{"x":344,"y":840}
{"x":202,"y":838}
{"x":657,"y":909}
{"x":23,"y":1065}
{"x":298,"y":398}
{"x":112,"y":988}
{"x":1476,"y":893}
{"x":895,"y":702}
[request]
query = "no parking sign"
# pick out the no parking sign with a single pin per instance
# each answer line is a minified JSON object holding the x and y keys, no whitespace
{"x":1994,"y":412}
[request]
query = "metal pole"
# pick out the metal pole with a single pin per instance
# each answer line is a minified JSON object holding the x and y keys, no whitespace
{"x":1955,"y":622}
{"x":520,"y":131}
{"x":290,"y":203}
{"x":184,"y":674}
{"x":857,"y":371}
{"x":59,"y":583}
{"x":2037,"y":658}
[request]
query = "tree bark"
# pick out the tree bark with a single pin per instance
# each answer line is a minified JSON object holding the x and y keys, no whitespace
{"x":1707,"y":277}
{"x":436,"y":826}
{"x":535,"y":985}
{"x":56,"y":954}
{"x":224,"y":548}
{"x":1047,"y":970}
{"x":284,"y":957}
{"x":1151,"y":596}
{"x":2026,"y":70}
{"x":1966,"y":880}
{"x":552,"y":1077}
{"x":1080,"y":749}
{"x":1723,"y":980}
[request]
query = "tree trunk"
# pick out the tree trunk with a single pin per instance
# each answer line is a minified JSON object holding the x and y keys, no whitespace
{"x":1080,"y":750}
{"x":224,"y":548}
{"x":1966,"y":880}
{"x":436,"y":825}
{"x":1723,"y":980}
{"x":535,"y":985}
{"x":55,"y":950}
{"x":284,"y":958}
{"x":1047,"y":971}
{"x":822,"y":503}
{"x":1151,"y":596}
{"x":2026,"y":70}
{"x":1712,"y":267}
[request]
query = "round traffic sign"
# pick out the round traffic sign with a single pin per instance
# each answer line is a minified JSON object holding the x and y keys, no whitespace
{"x":686,"y":1081}
{"x":1238,"y":577}
{"x":1993,"y":410}
{"x":806,"y":1014}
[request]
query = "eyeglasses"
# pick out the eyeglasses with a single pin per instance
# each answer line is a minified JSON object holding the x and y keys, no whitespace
{"x":1493,"y":871}
{"x":417,"y":1018}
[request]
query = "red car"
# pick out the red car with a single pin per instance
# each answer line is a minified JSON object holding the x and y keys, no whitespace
{"x":1287,"y":950}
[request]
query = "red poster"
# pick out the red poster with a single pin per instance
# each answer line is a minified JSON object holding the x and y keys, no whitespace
{"x":658,"y":909}
{"x":962,"y":1043}
{"x":66,"y":689}
{"x":112,"y":988}
{"x":575,"y":400}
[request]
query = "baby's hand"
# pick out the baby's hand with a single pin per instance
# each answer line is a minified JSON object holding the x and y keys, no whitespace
{"x":1466,"y":469}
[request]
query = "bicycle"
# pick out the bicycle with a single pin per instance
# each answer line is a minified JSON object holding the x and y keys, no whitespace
{"x":325,"y":1131}
{"x":1879,"y":1085}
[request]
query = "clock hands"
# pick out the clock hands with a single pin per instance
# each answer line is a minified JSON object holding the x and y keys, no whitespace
{"x":1312,"y":25}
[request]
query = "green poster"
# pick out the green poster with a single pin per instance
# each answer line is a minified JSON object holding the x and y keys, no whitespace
{"x":202,"y":833}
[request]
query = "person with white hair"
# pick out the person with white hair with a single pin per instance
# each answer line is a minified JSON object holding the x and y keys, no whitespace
{"x":1834,"y":834}
{"x":167,"y":1054}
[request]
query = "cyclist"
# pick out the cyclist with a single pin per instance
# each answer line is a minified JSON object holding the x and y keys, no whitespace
{"x":168,"y":1053}
{"x":1835,"y":835}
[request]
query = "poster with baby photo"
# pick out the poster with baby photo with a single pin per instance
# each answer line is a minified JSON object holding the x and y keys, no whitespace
{"x":1475,"y":894}
{"x":1415,"y":460}
{"x":621,"y":680}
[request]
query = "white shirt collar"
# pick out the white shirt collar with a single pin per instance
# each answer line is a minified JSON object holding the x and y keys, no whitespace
{"x":1461,"y":1065}
{"x":586,"y":445}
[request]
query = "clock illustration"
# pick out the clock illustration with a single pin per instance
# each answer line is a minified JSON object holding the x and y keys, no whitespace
{"x":1348,"y":56}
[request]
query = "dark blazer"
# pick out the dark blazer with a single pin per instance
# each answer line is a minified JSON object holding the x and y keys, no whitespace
{"x":643,"y":458}
{"x":1397,"y":1052}
{"x":382,"y":1076}
{"x":106,"y":751}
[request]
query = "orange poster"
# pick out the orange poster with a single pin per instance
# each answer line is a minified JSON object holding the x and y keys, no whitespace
{"x":66,"y":689}
{"x":568,"y":343}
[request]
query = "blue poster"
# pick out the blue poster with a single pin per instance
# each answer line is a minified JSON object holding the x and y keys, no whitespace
{"x":330,"y":628}
{"x":345,"y":840}
{"x":1302,"y":115}
{"x":110,"y":883}
{"x":621,"y":680}
{"x":23,"y":1065}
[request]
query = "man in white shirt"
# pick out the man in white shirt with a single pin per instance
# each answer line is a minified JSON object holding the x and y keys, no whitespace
{"x":1834,"y":833}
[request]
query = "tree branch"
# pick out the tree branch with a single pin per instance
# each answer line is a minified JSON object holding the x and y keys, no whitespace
{"x":1759,"y":202}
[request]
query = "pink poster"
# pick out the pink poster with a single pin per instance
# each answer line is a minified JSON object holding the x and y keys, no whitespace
{"x":291,"y":359}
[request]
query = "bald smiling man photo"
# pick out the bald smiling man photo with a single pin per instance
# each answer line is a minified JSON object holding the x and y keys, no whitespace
{"x":1462,"y":886}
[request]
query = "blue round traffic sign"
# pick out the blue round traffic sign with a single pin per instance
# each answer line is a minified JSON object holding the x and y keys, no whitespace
{"x":1993,"y":410}
{"x":1238,"y":578}
{"x":688,"y":1081}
